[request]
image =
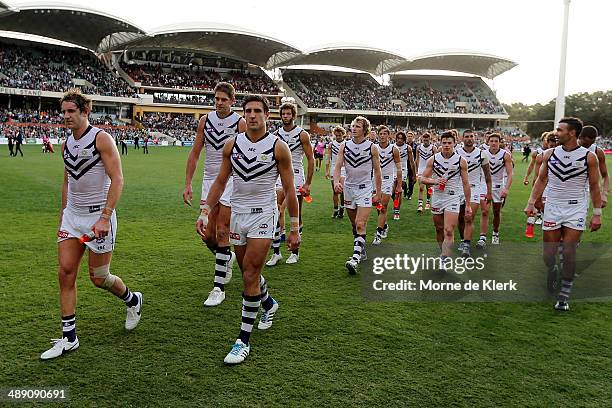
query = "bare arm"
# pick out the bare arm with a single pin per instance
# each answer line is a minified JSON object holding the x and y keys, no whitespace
{"x":467,"y":192}
{"x":112,"y":164}
{"x":594,"y":180}
{"x":305,"y":139}
{"x":285,"y":170}
{"x":377,"y":171}
{"x":64,"y":191}
{"x":593,"y":170}
{"x":428,"y":172}
{"x":398,"y":169}
{"x":338,"y":169}
{"x":192,"y":160}
{"x":509,"y":173}
{"x":603,"y":170}
{"x":486,"y":169}
{"x":537,"y":165}
{"x":540,"y":184}
{"x":225,"y":171}
{"x":531,"y":167}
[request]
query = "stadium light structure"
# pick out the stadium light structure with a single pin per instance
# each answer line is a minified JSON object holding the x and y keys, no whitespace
{"x":560,"y":102}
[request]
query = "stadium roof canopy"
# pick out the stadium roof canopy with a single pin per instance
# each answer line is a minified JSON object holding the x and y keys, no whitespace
{"x":362,"y":58}
{"x":222,"y":39}
{"x":378,"y":62}
{"x":484,"y":65}
{"x":77,"y":25}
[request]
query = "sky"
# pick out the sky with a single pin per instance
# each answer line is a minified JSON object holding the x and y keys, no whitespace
{"x":525,"y":31}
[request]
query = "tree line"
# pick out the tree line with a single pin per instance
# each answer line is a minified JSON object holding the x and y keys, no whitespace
{"x":593,"y":108}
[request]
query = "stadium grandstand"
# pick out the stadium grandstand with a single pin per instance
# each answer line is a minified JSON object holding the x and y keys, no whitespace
{"x":161,"y":80}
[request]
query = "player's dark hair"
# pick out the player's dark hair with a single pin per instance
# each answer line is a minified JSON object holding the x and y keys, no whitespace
{"x":573,"y":123}
{"x":496,"y":135}
{"x":467,"y":131}
{"x":449,"y":134}
{"x":75,"y":96}
{"x":256,"y":98}
{"x":400,"y":134}
{"x":590,"y":132}
{"x":226,"y":88}
{"x":288,"y":106}
{"x":381,"y":128}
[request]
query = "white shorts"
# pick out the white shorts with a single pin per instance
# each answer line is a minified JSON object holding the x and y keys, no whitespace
{"x":447,"y":201}
{"x":387,"y":185}
{"x":476,"y":194}
{"x":404,"y":173}
{"x":483,"y":191}
{"x":243,"y":226}
{"x":298,"y":181}
{"x":571,"y":214}
{"x":76,"y":225}
{"x":226,"y":197}
{"x":357,"y":196}
{"x":496,"y":190}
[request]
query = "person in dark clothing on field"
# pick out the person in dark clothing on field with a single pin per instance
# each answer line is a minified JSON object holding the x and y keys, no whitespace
{"x":136,"y":145}
{"x":18,"y":142}
{"x":11,"y":143}
{"x":124,"y":149}
{"x":526,"y":153}
{"x":145,"y":145}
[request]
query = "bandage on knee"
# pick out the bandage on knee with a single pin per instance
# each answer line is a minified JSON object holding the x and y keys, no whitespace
{"x":103,"y":272}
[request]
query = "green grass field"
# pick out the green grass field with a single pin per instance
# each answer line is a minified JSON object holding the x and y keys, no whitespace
{"x":327,"y":347}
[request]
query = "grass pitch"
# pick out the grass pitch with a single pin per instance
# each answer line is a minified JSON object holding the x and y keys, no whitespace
{"x":327,"y":347}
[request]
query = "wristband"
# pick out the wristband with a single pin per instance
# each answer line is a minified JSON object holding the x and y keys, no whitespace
{"x":597,"y":212}
{"x":105,"y":216}
{"x":107,"y":211}
{"x":295,"y":224}
{"x":205,"y":210}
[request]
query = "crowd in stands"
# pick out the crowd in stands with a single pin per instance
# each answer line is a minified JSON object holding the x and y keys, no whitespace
{"x":52,"y":117}
{"x":361,"y":92}
{"x":172,"y":124}
{"x":194,"y":77}
{"x":204,"y":100}
{"x":46,"y":69}
{"x":31,"y":123}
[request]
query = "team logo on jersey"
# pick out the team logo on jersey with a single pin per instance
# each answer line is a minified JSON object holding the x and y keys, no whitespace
{"x":256,"y":210}
{"x":264,"y":158}
{"x":347,"y":202}
{"x":86,"y":153}
{"x":237,"y":156}
{"x":549,"y":223}
{"x":263,"y":226}
{"x":234,"y":235}
{"x":62,"y":234}
{"x":579,"y":164}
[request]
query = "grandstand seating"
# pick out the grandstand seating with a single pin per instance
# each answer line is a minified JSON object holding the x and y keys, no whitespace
{"x":361,"y":92}
{"x":200,"y":78}
{"x":56,"y":69}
